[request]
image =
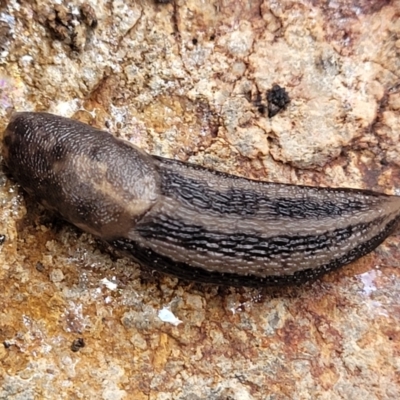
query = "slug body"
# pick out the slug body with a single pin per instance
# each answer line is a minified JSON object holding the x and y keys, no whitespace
{"x":187,"y":220}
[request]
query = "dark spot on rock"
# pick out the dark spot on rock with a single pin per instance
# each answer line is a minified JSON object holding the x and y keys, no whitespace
{"x":39,"y":266}
{"x":77,"y":344}
{"x":2,"y":239}
{"x":194,"y":41}
{"x":278,"y":99}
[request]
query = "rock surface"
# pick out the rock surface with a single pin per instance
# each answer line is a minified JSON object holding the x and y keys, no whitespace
{"x":189,"y":80}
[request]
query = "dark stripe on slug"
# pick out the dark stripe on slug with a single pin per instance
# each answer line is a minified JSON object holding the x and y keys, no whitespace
{"x":159,"y":262}
{"x":196,"y":193}
{"x":244,"y":246}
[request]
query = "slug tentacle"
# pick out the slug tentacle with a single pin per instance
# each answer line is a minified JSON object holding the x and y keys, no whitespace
{"x":187,"y":220}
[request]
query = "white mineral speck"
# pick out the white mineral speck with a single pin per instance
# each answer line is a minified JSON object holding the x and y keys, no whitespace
{"x":108,"y":284}
{"x":167,"y":316}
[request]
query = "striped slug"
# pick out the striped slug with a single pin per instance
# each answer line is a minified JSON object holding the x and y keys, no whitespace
{"x":187,"y":220}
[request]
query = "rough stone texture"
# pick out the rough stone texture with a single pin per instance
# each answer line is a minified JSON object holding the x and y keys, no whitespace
{"x":188,"y":80}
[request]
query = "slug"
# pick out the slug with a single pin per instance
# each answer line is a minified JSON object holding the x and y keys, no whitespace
{"x":187,"y":220}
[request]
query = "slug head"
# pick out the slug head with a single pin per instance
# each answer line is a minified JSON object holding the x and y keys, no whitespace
{"x":97,"y":182}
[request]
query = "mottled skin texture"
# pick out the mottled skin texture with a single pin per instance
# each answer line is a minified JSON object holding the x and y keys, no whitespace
{"x":187,"y":220}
